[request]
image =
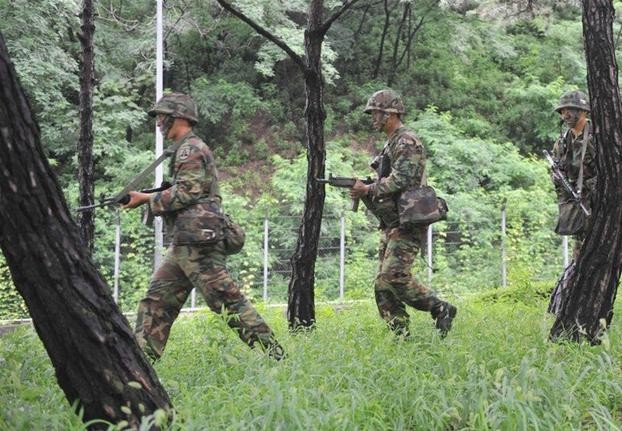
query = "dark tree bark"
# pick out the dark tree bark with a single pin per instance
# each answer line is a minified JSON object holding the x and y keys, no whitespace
{"x":301,"y":305}
{"x":90,"y":344}
{"x":86,"y":177}
{"x":396,"y":45}
{"x":300,"y":291}
{"x":588,"y":310}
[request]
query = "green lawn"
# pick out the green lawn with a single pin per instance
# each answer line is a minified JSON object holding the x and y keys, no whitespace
{"x":495,"y":371}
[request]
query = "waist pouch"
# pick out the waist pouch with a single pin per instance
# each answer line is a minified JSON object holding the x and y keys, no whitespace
{"x":385,"y":210}
{"x":572,"y":220}
{"x":419,"y":206}
{"x":199,"y":224}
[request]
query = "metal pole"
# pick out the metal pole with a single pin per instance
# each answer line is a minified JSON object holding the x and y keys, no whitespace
{"x":342,"y":257}
{"x":265,"y":258}
{"x":565,"y":250}
{"x":159,"y":143}
{"x":193,"y":299}
{"x":429,"y":244}
{"x":504,"y":270}
{"x":117,"y":255}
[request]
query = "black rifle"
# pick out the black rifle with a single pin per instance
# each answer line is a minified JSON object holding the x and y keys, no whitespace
{"x":346,"y":183}
{"x":122,"y":199}
{"x":558,"y":173}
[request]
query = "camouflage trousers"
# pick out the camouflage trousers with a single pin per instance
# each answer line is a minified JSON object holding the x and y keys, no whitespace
{"x":204,"y":268}
{"x":395,"y":287}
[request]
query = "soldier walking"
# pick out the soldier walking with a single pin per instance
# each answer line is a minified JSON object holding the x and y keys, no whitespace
{"x":196,"y":256}
{"x":400,"y":166}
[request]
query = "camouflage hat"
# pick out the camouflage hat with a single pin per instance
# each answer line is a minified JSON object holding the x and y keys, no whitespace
{"x":574,"y":99}
{"x":386,"y":101}
{"x":178,"y":105}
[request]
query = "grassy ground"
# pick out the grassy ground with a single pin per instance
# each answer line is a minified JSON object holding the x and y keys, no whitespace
{"x":495,"y":371}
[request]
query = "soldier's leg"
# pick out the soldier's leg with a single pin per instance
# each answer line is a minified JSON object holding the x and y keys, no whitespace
{"x":391,"y":309}
{"x":168,"y":291}
{"x":402,"y":249}
{"x":209,"y":274}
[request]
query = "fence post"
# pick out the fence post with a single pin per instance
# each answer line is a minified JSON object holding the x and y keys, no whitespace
{"x":117,"y":255}
{"x":565,"y":250}
{"x":504,"y":270}
{"x":429,"y":244}
{"x":265,"y":258}
{"x":342,"y":256}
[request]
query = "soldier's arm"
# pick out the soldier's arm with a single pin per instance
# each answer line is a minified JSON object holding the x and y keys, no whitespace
{"x":189,"y":182}
{"x":406,"y":168}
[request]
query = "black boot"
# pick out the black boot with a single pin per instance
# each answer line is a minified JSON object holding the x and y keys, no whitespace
{"x":444,"y":314}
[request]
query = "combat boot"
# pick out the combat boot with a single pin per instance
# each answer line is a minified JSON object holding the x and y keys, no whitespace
{"x":444,"y":314}
{"x":276,"y":352}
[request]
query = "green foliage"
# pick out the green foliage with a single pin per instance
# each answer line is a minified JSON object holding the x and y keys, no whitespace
{"x":493,"y":75}
{"x":12,"y":305}
{"x":528,"y":293}
{"x":495,"y":370}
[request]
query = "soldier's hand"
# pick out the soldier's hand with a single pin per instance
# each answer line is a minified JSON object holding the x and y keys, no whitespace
{"x":136,"y":199}
{"x":359,"y":189}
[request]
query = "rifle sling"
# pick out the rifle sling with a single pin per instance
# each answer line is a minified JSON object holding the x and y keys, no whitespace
{"x":138,"y":179}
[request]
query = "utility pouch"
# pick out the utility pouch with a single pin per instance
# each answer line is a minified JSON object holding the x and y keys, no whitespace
{"x":198,"y":225}
{"x":234,"y":235}
{"x":572,"y":220}
{"x":385,"y":209}
{"x":419,"y":206}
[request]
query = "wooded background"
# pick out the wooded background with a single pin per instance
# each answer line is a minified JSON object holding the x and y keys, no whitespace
{"x":480,"y":81}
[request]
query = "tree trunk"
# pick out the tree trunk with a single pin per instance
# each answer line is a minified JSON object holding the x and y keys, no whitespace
{"x":85,"y":142}
{"x":385,"y":30}
{"x":588,"y":310}
{"x":89,"y":342}
{"x":396,"y":45}
{"x":301,"y":305}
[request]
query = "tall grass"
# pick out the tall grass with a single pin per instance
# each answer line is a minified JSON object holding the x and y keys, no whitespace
{"x":495,"y":371}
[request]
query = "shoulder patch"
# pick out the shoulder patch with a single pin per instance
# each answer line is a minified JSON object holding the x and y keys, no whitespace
{"x":184,"y":153}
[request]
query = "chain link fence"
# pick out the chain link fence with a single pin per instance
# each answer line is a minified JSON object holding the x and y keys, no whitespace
{"x":458,"y":257}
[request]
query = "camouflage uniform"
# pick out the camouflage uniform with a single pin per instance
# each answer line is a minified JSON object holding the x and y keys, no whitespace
{"x":196,"y":257}
{"x":567,"y":155}
{"x":395,"y":287}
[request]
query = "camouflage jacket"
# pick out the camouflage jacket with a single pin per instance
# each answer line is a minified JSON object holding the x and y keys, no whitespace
{"x":567,"y":155}
{"x":193,"y":202}
{"x":406,"y":157}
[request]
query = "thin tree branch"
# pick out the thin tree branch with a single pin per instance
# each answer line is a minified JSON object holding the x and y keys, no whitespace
{"x":344,"y":7}
{"x":385,"y":29}
{"x":262,"y":31}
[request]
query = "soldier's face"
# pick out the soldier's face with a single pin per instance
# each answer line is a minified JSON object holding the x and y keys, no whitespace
{"x":164,"y":123}
{"x":378,"y":120}
{"x":571,"y":116}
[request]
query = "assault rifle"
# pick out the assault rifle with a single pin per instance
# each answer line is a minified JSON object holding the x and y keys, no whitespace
{"x":346,"y":183}
{"x":121,"y":198}
{"x":558,"y":173}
